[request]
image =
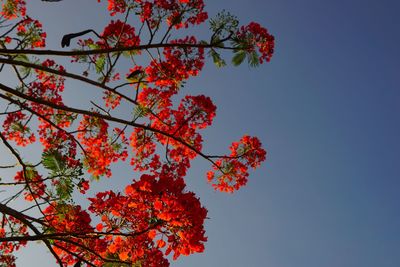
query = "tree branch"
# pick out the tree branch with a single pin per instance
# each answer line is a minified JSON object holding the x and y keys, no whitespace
{"x":104,"y":117}
{"x":23,"y":218}
{"x":112,"y":50}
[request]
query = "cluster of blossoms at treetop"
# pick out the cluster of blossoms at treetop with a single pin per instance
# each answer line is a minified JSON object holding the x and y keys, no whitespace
{"x":176,"y":13}
{"x":138,"y":116}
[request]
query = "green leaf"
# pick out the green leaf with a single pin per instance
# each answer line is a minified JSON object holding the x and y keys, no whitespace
{"x":22,"y":57}
{"x":238,"y":57}
{"x":30,"y":173}
{"x":224,"y":24}
{"x":136,"y":76}
{"x":64,"y":188}
{"x":53,"y":161}
{"x":215,"y":39}
{"x":253,"y":59}
{"x":93,"y":46}
{"x":218,"y":61}
{"x":130,"y":53}
{"x":18,"y":127}
{"x":100,"y":63}
{"x":140,"y":111}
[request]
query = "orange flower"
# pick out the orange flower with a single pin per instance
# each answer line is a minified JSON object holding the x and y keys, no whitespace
{"x":123,"y":255}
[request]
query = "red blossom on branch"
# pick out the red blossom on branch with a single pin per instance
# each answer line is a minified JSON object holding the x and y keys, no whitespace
{"x":258,"y":38}
{"x":11,"y":9}
{"x":232,"y":170}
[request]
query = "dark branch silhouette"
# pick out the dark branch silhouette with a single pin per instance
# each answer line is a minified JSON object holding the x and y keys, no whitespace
{"x":66,"y":40}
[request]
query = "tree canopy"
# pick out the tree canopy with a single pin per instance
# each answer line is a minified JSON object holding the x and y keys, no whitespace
{"x":154,"y":216}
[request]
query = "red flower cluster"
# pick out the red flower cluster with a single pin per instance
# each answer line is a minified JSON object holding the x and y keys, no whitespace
{"x":233,"y":169}
{"x":179,"y":13}
{"x":31,"y":31}
{"x":59,"y":141}
{"x":193,"y":113}
{"x":116,"y":6}
{"x":73,"y":219}
{"x":7,"y":259}
{"x":53,"y":122}
{"x":111,"y":99}
{"x":16,"y":129}
{"x":12,"y":9}
{"x":159,"y":213}
{"x":100,"y":151}
{"x":47,"y":87}
{"x":143,"y":147}
{"x":14,"y":226}
{"x":197,"y":112}
{"x":258,"y":38}
{"x":34,"y":183}
{"x":179,"y":64}
{"x":68,"y":218}
{"x":118,"y":33}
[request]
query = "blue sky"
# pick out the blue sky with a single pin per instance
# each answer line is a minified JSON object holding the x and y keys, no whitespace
{"x":327,"y":109}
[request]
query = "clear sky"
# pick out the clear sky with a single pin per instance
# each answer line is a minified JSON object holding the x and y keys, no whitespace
{"x":327,"y":108}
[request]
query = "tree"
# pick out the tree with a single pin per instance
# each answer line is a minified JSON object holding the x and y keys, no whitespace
{"x":154,"y":215}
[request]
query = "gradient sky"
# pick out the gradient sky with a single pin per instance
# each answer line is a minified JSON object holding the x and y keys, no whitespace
{"x":327,"y":108}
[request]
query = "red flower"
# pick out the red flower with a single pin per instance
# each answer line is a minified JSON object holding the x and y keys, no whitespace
{"x":259,"y":39}
{"x":13,"y":8}
{"x":233,"y":169}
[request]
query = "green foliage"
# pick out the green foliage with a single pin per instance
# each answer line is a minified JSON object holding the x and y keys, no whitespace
{"x":252,"y":59}
{"x":218,"y":61}
{"x":19,"y":127}
{"x":25,"y":71}
{"x":140,"y":111}
{"x":21,"y":57}
{"x":53,"y":162}
{"x":136,"y":76}
{"x":115,"y":264}
{"x":100,"y":63}
{"x":129,"y":53}
{"x":64,"y":188}
{"x":94,"y":46}
{"x":223,"y":25}
{"x":238,"y":57}
{"x":30,"y":173}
